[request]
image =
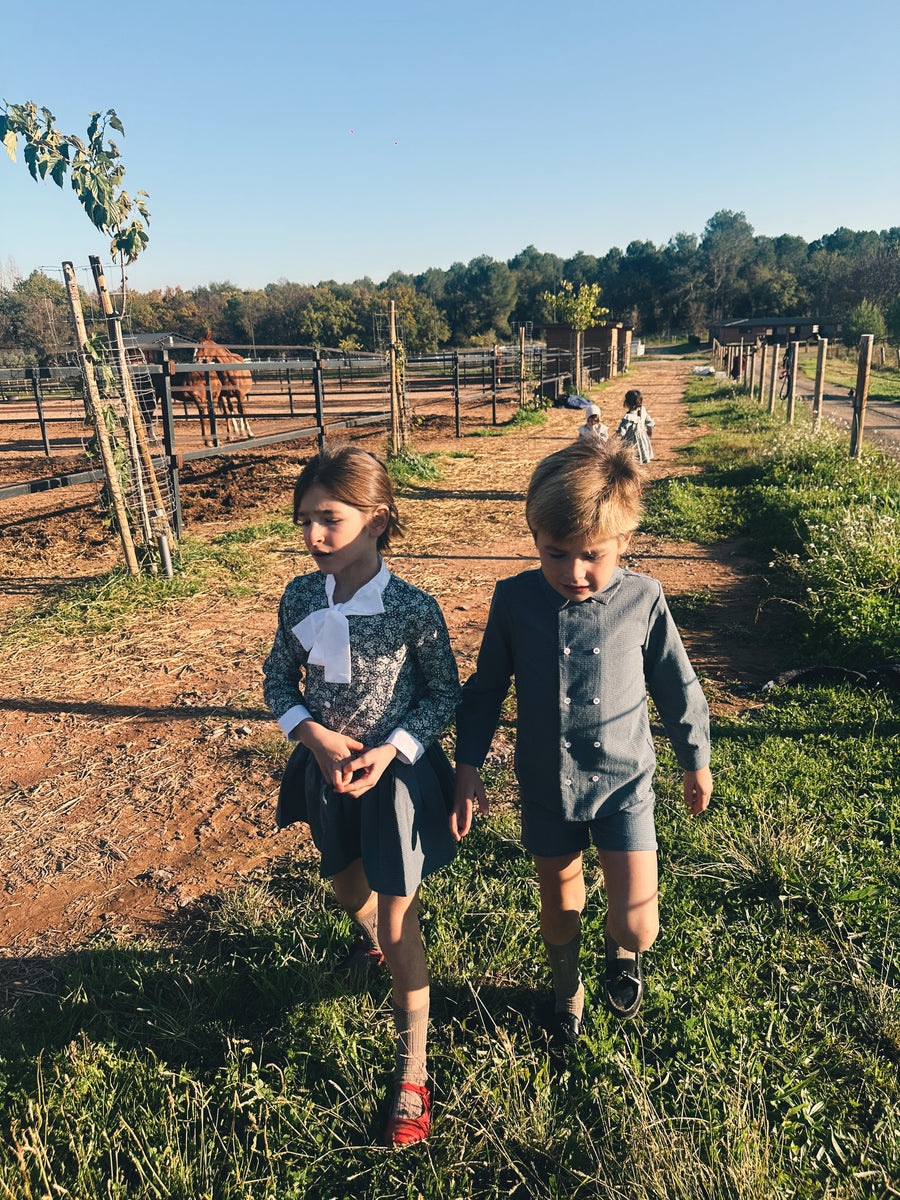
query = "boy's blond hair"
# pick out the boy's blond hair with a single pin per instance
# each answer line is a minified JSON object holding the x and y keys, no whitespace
{"x":585,"y":490}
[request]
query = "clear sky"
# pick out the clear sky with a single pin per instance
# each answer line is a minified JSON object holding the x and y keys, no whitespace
{"x":309,"y":141}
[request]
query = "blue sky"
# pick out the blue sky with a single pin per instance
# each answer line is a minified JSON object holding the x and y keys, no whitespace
{"x":477,"y":128}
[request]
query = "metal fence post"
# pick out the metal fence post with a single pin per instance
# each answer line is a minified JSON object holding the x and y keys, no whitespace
{"x":172,"y":456}
{"x":319,"y":388}
{"x":39,"y":402}
{"x":456,"y":390}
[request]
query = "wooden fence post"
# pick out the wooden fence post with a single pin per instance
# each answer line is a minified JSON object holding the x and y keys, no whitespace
{"x":792,"y":381}
{"x":820,"y":384}
{"x":862,"y":393}
{"x":392,"y":366}
{"x":773,"y":371}
{"x":752,"y":370}
{"x":763,"y":356}
{"x":95,"y":412}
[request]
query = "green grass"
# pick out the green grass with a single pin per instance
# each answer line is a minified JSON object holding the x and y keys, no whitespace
{"x":764,"y":1062}
{"x":827,"y":527}
{"x":229,"y":565}
{"x":223,"y":1063}
{"x":523,"y":418}
{"x":884,"y":382}
{"x":413,"y":466}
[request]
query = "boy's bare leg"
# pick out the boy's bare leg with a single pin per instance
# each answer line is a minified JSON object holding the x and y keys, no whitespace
{"x":561,"y":884}
{"x":401,"y":941}
{"x":632,"y":923}
{"x":631,"y":878}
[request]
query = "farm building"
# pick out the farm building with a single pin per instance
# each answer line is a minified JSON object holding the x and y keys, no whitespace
{"x":606,"y":349}
{"x":776,"y":331}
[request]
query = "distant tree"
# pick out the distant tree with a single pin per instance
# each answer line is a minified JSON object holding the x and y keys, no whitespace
{"x":892,"y":321}
{"x":727,"y":244}
{"x":34,"y":317}
{"x":864,"y":318}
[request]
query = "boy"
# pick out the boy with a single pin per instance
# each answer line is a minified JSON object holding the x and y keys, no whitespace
{"x":585,"y":640}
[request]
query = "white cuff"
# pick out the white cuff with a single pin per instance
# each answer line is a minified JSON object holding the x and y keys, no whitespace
{"x":409,"y":749}
{"x":292,"y":719}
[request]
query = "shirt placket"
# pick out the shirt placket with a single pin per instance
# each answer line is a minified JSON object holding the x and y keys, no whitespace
{"x":580,"y":683}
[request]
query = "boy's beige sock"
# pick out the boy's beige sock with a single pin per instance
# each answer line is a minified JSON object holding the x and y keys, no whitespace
{"x":368,"y":923}
{"x":568,"y":990}
{"x":410,"y":1057}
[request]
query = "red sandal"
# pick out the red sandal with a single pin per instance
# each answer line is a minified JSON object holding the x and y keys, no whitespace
{"x":404,"y":1131}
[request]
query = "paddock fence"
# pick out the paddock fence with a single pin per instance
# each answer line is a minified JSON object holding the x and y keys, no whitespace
{"x":297,"y":394}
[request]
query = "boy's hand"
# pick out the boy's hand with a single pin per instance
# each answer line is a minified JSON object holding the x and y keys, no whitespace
{"x":332,"y":751}
{"x":367,"y":768}
{"x":698,"y":786}
{"x":469,"y":791}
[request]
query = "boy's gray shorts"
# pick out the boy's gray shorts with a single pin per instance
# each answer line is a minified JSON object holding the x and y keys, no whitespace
{"x":548,"y":835}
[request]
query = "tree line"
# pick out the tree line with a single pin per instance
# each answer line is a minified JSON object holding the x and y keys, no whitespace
{"x":727,"y":272}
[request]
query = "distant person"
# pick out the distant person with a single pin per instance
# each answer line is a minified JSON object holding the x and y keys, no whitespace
{"x":636,"y":425}
{"x":361,"y":674}
{"x":592,"y":427}
{"x":585,"y":641}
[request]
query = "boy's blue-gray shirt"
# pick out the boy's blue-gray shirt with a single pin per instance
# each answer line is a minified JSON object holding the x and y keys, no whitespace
{"x":582,"y":671}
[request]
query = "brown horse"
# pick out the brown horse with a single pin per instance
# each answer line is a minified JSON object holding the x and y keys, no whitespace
{"x":191,"y":388}
{"x":235,"y":385}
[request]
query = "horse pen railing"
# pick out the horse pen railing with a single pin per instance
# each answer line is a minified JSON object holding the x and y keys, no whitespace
{"x":298,"y":398}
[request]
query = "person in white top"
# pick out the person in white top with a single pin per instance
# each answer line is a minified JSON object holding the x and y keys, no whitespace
{"x":592,"y":427}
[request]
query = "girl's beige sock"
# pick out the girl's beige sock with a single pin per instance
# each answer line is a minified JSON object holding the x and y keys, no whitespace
{"x":368,"y":923}
{"x":409,"y":1061}
{"x":568,"y":989}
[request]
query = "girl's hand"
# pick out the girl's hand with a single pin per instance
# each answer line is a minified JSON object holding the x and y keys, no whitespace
{"x":469,"y":791}
{"x":367,"y":768}
{"x":698,"y":786}
{"x":332,"y":751}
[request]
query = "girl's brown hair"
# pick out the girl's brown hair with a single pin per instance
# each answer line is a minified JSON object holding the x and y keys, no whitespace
{"x":585,"y":490}
{"x":354,"y":477}
{"x":633,"y":400}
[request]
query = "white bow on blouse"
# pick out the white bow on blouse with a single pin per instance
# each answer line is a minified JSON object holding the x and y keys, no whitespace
{"x":325,"y":633}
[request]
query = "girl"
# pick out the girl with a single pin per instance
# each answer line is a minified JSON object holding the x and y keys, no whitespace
{"x":634,"y":428}
{"x":592,"y":427}
{"x":379,"y":683}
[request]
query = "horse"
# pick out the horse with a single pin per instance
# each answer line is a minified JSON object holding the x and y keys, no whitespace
{"x":235,"y":385}
{"x":191,"y":387}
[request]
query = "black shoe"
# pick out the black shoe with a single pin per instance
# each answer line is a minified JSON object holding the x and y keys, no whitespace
{"x":624,"y":986}
{"x":565,"y":1029}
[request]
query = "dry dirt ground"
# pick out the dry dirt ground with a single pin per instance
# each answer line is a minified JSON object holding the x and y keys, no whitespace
{"x":137,"y":772}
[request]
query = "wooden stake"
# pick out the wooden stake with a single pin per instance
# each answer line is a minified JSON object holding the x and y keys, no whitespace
{"x":862,"y":393}
{"x":95,"y":413}
{"x":820,"y":384}
{"x":114,"y":331}
{"x":763,"y":356}
{"x":773,"y":371}
{"x":392,"y":363}
{"x":792,"y":382}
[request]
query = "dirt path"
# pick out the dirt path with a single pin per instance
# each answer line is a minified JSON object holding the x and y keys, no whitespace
{"x":137,"y":771}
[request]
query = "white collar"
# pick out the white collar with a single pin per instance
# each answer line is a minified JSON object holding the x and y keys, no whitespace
{"x":325,"y":633}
